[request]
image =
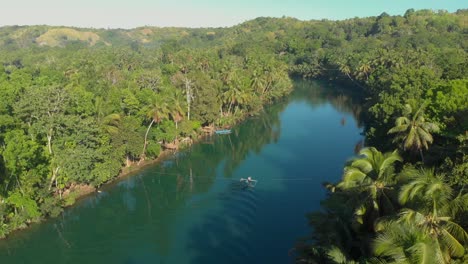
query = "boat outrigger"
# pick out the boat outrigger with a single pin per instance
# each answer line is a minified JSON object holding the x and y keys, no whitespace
{"x":248,"y":181}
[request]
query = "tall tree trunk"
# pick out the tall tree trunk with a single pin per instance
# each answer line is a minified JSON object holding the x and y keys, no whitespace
{"x":422,"y":156}
{"x":143,"y":154}
{"x":128,"y":161}
{"x":188,"y":92}
{"x":188,"y":112}
{"x":54,"y":177}
{"x":49,"y":141}
{"x":229,"y":108}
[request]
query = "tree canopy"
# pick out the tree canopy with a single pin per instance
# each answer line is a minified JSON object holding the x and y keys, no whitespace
{"x":79,"y":105}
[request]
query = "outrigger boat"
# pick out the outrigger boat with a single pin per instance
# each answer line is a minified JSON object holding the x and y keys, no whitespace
{"x":248,"y":181}
{"x":223,"y":131}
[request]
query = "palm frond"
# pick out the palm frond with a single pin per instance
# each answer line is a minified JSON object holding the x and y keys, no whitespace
{"x":407,"y":110}
{"x":411,"y":139}
{"x":423,"y":253}
{"x":409,"y":191}
{"x":457,"y":205}
{"x":454,"y":246}
{"x":457,"y":232}
{"x":411,"y":217}
{"x":337,"y":256}
{"x":424,"y":135}
{"x":363,"y":165}
{"x":398,"y":129}
{"x":351,"y":178}
{"x":388,"y":160}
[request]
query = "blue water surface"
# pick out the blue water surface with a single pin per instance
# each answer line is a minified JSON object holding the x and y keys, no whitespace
{"x":191,"y":208}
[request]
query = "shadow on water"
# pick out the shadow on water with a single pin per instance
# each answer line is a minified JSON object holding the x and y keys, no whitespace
{"x":192,"y":209}
{"x":249,"y":225}
{"x":317,"y":93}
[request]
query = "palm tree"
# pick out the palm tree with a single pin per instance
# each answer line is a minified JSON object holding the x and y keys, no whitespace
{"x":334,"y":239}
{"x":433,"y":207}
{"x":413,"y":131}
{"x":106,"y":121}
{"x":345,"y":69}
{"x":233,"y":93}
{"x":258,"y":82}
{"x":371,"y":174}
{"x":176,"y":108}
{"x":157,"y":110}
{"x":364,"y":70}
{"x":404,"y":243}
{"x":336,"y":255}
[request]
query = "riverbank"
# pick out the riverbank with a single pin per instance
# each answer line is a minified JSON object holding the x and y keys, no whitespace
{"x":69,"y":196}
{"x":172,"y":210}
{"x":85,"y":190}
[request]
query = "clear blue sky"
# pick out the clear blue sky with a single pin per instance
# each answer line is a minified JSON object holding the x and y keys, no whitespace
{"x":197,"y":13}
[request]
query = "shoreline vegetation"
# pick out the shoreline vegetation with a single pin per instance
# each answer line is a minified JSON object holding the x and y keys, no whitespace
{"x":82,"y":191}
{"x":79,"y":104}
{"x":78,"y":192}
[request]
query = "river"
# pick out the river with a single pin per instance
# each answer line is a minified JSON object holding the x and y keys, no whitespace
{"x":191,"y":208}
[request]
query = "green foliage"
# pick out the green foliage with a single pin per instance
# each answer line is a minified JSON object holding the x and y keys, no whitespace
{"x":20,"y":153}
{"x":206,"y":106}
{"x":130,"y":137}
{"x":449,"y":106}
{"x":26,"y":206}
{"x":50,"y":207}
{"x":412,"y":130}
{"x":76,"y":113}
{"x":187,"y":128}
{"x":427,"y":227}
{"x":371,"y":175}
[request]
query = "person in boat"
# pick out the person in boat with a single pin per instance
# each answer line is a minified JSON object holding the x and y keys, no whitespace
{"x":248,"y":181}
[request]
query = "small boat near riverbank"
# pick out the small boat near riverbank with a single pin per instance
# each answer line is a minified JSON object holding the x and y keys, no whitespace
{"x":223,"y":131}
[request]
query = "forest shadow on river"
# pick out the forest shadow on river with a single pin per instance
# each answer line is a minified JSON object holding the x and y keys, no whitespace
{"x":191,"y":208}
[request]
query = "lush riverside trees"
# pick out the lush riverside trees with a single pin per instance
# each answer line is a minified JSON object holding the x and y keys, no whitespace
{"x":408,"y":75}
{"x":414,"y":132}
{"x":371,"y":178}
{"x":418,"y":218}
{"x":76,"y":115}
{"x":74,"y":110}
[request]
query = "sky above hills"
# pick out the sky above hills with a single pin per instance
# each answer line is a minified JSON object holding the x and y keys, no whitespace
{"x":198,"y":13}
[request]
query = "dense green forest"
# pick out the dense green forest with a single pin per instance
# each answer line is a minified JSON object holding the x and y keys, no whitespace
{"x":79,"y":105}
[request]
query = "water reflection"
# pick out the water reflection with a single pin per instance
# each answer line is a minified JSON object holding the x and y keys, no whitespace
{"x":318,"y":93}
{"x":191,"y":208}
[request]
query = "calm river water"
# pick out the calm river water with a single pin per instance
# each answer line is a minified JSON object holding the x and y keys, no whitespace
{"x":191,"y":208}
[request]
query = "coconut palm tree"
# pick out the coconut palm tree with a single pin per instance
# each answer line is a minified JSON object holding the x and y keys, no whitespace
{"x":106,"y":121}
{"x":413,"y":131}
{"x":405,"y":243}
{"x":258,"y":81}
{"x":372,"y":175}
{"x":157,"y":110}
{"x":336,"y":255}
{"x":176,"y":107}
{"x":432,"y":207}
{"x":364,"y":70}
{"x":335,"y":239}
{"x":345,"y":69}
